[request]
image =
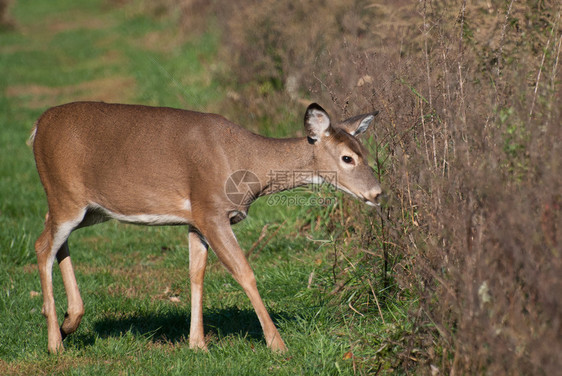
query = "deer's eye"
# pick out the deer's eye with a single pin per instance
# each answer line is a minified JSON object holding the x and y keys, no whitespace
{"x":347,"y":159}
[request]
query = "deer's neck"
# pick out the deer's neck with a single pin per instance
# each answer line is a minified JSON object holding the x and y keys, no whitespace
{"x":285,"y":164}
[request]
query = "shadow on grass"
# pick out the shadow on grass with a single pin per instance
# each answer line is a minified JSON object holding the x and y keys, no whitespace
{"x":173,"y":326}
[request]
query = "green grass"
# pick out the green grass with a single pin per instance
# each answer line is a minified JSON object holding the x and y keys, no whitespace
{"x":64,"y":50}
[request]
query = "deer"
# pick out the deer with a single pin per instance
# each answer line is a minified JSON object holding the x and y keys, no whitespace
{"x":163,"y":166}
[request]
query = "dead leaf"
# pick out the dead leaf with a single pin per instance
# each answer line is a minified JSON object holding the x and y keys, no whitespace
{"x":365,"y":80}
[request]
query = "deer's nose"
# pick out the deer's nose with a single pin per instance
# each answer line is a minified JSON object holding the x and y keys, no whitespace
{"x":371,"y":196}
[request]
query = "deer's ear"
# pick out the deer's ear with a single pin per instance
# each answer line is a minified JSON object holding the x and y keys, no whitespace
{"x":316,"y":123}
{"x":357,"y":124}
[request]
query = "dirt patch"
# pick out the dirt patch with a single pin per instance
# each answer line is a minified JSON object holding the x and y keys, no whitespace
{"x":30,"y":268}
{"x":110,"y":89}
{"x":160,"y":41}
{"x":96,"y":242}
{"x":90,"y":24}
{"x":139,"y":281}
{"x":45,"y":367}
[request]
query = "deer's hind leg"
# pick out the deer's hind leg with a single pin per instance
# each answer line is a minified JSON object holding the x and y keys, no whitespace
{"x":53,"y":243}
{"x":75,"y":309}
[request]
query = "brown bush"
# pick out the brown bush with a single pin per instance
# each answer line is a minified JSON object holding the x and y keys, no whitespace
{"x":6,"y":21}
{"x":468,"y":147}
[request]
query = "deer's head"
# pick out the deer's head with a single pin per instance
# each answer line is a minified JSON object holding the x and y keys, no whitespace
{"x":340,"y":158}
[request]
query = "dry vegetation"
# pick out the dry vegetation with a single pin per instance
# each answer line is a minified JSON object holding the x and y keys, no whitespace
{"x":6,"y":21}
{"x":468,"y":145}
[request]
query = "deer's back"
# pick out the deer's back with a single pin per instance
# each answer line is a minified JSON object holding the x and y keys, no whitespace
{"x":92,"y":149}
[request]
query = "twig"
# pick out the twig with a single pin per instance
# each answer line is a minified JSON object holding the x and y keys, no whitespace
{"x":339,"y":286}
{"x":354,"y":310}
{"x":310,"y":278}
{"x":427,"y":66}
{"x":502,"y":38}
{"x":376,"y":301}
{"x":429,"y":85}
{"x":554,"y":27}
{"x":555,"y":65}
{"x":462,"y":103}
{"x":539,"y":77}
{"x":262,"y":235}
{"x":257,"y":242}
{"x":424,"y":135}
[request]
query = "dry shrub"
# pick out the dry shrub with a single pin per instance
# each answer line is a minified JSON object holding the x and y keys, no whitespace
{"x":487,"y":251}
{"x":468,"y":147}
{"x":193,"y":16}
{"x":6,"y":21}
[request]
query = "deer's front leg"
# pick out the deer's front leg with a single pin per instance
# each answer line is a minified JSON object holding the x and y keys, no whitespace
{"x":197,"y":265}
{"x":221,"y":238}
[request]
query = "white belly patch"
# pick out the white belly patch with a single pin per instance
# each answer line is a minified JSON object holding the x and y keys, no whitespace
{"x":139,"y":219}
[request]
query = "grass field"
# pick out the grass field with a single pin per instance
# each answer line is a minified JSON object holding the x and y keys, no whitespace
{"x":134,"y":280}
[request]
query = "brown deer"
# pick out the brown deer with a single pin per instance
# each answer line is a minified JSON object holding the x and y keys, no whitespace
{"x":164,"y":166}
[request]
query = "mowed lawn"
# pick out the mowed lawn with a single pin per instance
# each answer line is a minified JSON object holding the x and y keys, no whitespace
{"x":134,"y":280}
